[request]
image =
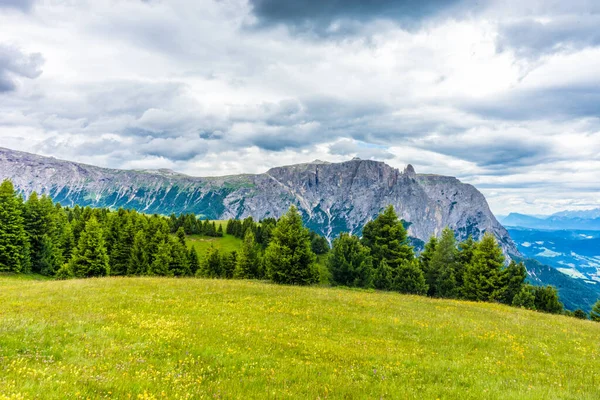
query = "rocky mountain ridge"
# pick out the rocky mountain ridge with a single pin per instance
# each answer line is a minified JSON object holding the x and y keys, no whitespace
{"x":332,"y":197}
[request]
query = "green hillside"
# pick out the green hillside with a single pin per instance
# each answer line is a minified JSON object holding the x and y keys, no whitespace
{"x":193,"y":338}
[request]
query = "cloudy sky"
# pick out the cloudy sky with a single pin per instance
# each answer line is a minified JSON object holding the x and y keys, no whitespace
{"x":504,"y":95}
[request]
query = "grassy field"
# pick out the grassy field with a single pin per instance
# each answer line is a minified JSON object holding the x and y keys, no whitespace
{"x":193,"y":338}
{"x":227,"y":243}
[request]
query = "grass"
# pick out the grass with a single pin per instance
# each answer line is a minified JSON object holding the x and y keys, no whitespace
{"x":227,"y":243}
{"x":194,"y":338}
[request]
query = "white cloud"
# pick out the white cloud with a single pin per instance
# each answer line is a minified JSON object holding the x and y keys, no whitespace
{"x":196,"y":87}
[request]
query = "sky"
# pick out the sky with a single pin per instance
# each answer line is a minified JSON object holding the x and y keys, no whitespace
{"x":504,"y":95}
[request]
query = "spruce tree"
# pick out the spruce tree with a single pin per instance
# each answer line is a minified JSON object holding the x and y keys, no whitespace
{"x":14,"y":246}
{"x":90,"y":257}
{"x":181,"y":236}
{"x":138,"y":263}
{"x":247,"y":261}
{"x":179,"y":265}
{"x":579,"y":313}
{"x":162,"y":260}
{"x":350,"y":262}
{"x":211,"y":265}
{"x":228,"y":264}
{"x":525,"y":298}
{"x":50,"y":258}
{"x":289,"y":258}
{"x":387,"y":239}
{"x":482,"y":275}
{"x":512,"y":280}
{"x":410,"y":278}
{"x":595,"y":313}
{"x":444,"y":267}
{"x":546,"y":299}
{"x":383,"y":279}
{"x":194,"y":260}
{"x":40,"y":225}
{"x":124,"y":236}
{"x":425,"y":263}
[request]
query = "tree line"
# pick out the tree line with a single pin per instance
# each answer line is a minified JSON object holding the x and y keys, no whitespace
{"x":39,"y":236}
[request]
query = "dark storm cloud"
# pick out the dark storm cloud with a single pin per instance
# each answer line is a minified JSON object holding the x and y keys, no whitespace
{"x":318,"y":16}
{"x":530,"y":38}
{"x":23,"y":5}
{"x":15,"y":64}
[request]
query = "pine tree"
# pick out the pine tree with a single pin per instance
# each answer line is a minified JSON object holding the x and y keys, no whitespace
{"x":425,"y":263}
{"x":211,"y":265}
{"x":14,"y":246}
{"x":350,"y":262}
{"x":194,"y":260}
{"x":66,"y":241}
{"x":443,"y":267}
{"x":595,"y":313}
{"x":482,"y":275}
{"x":179,"y":265}
{"x":162,"y":259}
{"x":138,"y":262}
{"x":40,"y":224}
{"x":288,"y":257}
{"x":579,"y":313}
{"x":50,"y":258}
{"x":228,"y":264}
{"x":124,"y":236}
{"x":512,"y":280}
{"x":525,"y":298}
{"x":410,"y":278}
{"x":383,"y":279}
{"x":181,"y":236}
{"x":546,"y":299}
{"x":247,"y":262}
{"x":387,"y":239}
{"x":90,"y":257}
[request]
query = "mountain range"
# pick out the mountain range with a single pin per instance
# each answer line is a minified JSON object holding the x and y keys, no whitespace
{"x":572,"y":220}
{"x":332,"y":197}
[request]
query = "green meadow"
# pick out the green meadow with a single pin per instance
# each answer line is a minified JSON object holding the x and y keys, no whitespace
{"x":168,"y":338}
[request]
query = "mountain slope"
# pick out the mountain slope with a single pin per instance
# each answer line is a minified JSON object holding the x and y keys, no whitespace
{"x":332,"y":197}
{"x":572,"y":220}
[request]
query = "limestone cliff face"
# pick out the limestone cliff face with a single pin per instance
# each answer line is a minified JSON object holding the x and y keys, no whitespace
{"x":332,"y":197}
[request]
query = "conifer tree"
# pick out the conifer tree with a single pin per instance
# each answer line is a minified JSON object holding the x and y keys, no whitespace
{"x":525,"y":298}
{"x":247,"y":261}
{"x":546,"y":299}
{"x":410,"y":278}
{"x":40,"y":225}
{"x":387,"y":239}
{"x":138,"y":263}
{"x":211,"y":265}
{"x":14,"y":246}
{"x":425,"y":263}
{"x":66,"y":241}
{"x":350,"y":262}
{"x":512,"y":280}
{"x":123,"y":236}
{"x":162,"y":259}
{"x":194,"y":260}
{"x":579,"y":313}
{"x":288,"y":258}
{"x":90,"y":257}
{"x":179,"y":265}
{"x":181,"y":236}
{"x":482,"y":275}
{"x":383,"y":279}
{"x":50,"y":258}
{"x":595,"y":313}
{"x":228,"y":264}
{"x":444,"y":267}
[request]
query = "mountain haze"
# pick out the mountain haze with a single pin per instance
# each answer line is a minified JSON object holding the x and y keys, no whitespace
{"x":332,"y":197}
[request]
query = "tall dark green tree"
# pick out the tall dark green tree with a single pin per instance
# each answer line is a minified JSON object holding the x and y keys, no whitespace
{"x":410,"y":278}
{"x":383,"y":276}
{"x":247,"y":261}
{"x":445,"y":272}
{"x":595,"y":313}
{"x":546,"y":299}
{"x":525,"y":298}
{"x":138,"y":263}
{"x":211,"y":265}
{"x":180,"y":264}
{"x":425,"y":263}
{"x":14,"y":246}
{"x":90,"y":257}
{"x":194,"y":260}
{"x":50,"y":257}
{"x":162,"y":259}
{"x":228,"y":264}
{"x":387,"y":239}
{"x":482,"y":278}
{"x":40,"y":225}
{"x":350,"y":262}
{"x":512,"y":279}
{"x":289,"y":258}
